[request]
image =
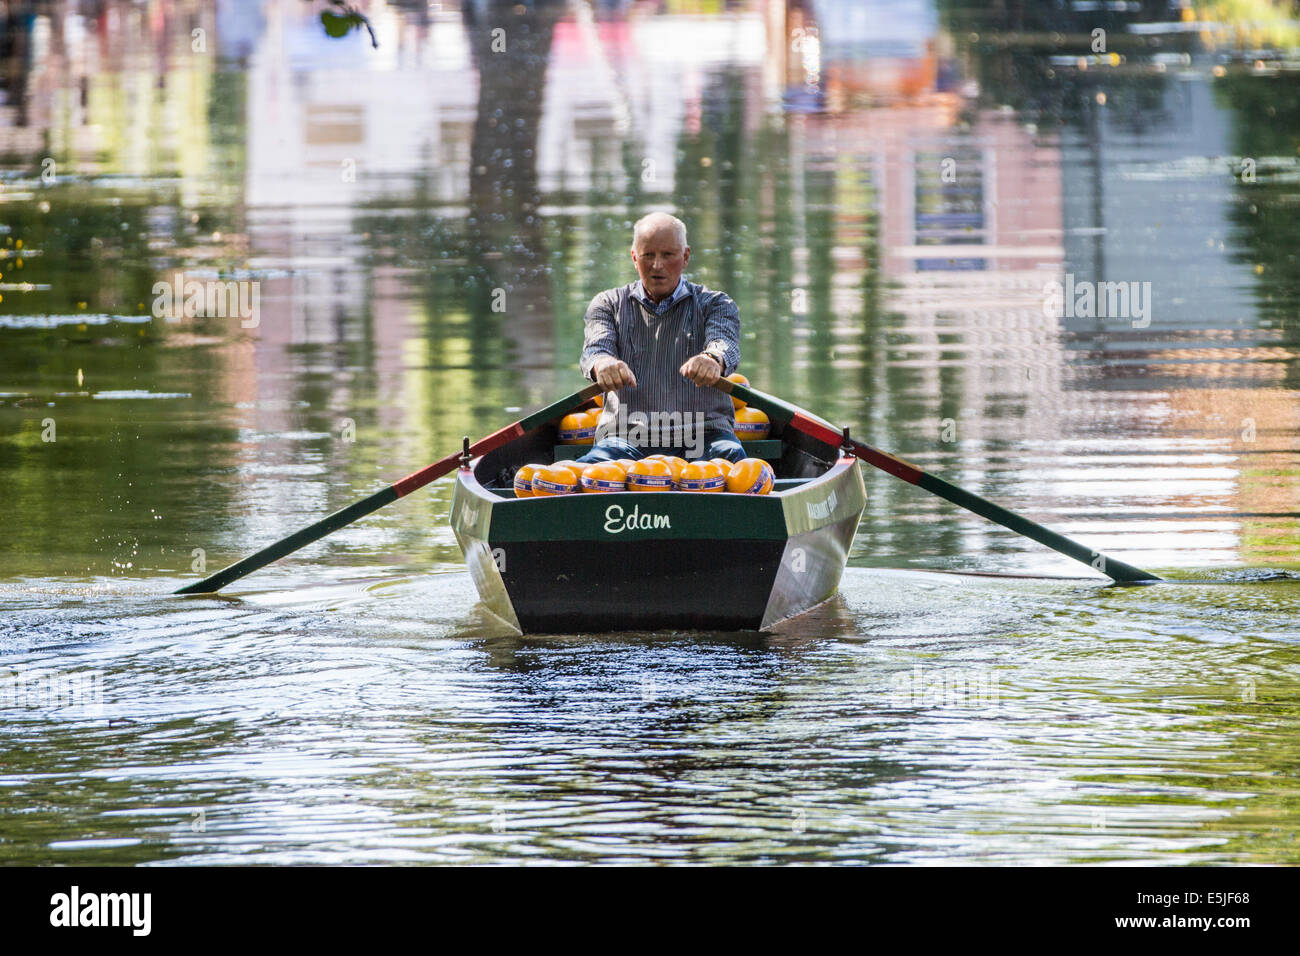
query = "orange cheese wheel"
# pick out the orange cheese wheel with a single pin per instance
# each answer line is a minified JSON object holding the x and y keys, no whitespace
{"x":524,"y":480}
{"x":675,"y":465}
{"x":649,"y":474}
{"x":579,"y":428}
{"x":752,"y":425}
{"x":603,"y":476}
{"x":749,"y":476}
{"x":576,"y":467}
{"x":551,"y":480}
{"x":701,"y":476}
{"x":739,"y":380}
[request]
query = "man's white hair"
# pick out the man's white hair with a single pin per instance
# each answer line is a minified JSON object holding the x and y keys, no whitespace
{"x":656,"y":220}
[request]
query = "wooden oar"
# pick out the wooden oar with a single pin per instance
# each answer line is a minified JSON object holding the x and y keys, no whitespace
{"x":797,"y":418}
{"x":365,"y":506}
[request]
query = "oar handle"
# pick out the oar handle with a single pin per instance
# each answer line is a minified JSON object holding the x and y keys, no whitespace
{"x":800,"y":420}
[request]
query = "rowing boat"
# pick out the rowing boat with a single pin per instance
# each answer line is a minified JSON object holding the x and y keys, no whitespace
{"x":578,"y":567}
{"x":637,"y":561}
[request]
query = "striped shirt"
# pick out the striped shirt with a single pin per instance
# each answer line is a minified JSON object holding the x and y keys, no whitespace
{"x":655,"y":340}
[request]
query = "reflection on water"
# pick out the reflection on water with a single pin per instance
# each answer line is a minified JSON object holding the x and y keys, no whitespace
{"x":425,"y":222}
{"x":918,"y":718}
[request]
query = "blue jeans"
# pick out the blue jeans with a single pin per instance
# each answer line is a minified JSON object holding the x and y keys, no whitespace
{"x":718,"y":443}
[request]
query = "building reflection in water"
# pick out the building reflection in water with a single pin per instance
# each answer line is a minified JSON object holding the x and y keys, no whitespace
{"x":885,"y":198}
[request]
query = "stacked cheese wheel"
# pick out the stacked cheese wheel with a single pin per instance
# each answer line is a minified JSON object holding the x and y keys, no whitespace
{"x":749,"y":476}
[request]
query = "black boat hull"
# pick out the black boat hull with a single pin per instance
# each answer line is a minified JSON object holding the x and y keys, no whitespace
{"x":657,"y":561}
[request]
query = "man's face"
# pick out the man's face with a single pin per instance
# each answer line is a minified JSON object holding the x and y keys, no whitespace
{"x":659,"y":261}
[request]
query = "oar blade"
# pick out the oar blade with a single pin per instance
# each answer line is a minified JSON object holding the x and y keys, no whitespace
{"x":1107,"y":565}
{"x":399,"y":489}
{"x":299,"y":539}
{"x":801,"y":420}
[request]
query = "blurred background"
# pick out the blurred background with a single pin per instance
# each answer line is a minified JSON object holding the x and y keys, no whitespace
{"x":425,"y":197}
{"x":429,"y":194}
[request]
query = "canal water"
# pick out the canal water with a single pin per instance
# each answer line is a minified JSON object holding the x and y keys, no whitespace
{"x":1054,"y":266}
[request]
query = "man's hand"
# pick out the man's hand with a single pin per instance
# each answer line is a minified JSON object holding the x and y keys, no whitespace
{"x":702,"y":369}
{"x":612,"y":374}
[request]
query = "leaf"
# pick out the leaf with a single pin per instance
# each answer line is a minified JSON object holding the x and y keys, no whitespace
{"x":339,"y":26}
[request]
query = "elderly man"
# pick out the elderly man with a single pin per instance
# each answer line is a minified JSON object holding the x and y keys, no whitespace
{"x":655,"y":346}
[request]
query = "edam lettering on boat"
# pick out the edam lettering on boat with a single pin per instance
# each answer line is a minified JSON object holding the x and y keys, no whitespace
{"x":659,"y":532}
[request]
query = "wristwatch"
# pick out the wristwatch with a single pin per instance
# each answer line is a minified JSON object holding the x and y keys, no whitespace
{"x":718,"y":352}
